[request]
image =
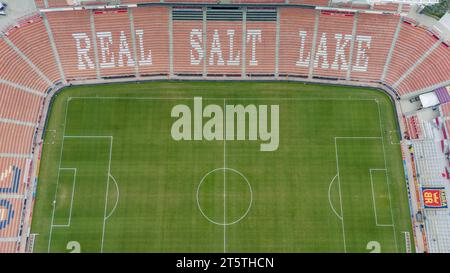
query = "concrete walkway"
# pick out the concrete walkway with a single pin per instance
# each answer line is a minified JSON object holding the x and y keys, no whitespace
{"x":16,"y":9}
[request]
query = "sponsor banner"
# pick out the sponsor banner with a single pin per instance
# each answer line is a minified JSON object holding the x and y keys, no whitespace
{"x":434,"y":197}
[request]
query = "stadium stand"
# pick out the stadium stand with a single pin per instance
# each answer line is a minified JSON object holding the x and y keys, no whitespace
{"x":152,"y":32}
{"x":191,"y":1}
{"x":437,"y":223}
{"x":434,"y":69}
{"x":72,"y":33}
{"x":15,"y":104}
{"x":10,"y":212}
{"x":224,"y":44}
{"x":258,"y":1}
{"x":386,"y":6}
{"x":139,"y":1}
{"x":8,"y":247}
{"x":16,"y":139}
{"x":115,"y":48}
{"x":431,"y":161}
{"x":334,"y":41}
{"x":188,"y":33}
{"x":411,"y":44}
{"x":296,"y":28}
{"x":36,"y":46}
{"x":15,"y":181}
{"x":260,"y":48}
{"x":377,"y":47}
{"x":445,"y":109}
{"x":323,"y":3}
{"x":16,"y":69}
{"x":39,"y":3}
{"x":414,"y":129}
{"x":11,"y":175}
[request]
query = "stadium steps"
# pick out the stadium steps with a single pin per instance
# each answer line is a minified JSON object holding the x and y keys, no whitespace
{"x":419,"y":61}
{"x":54,"y":48}
{"x":28,"y":61}
{"x":391,"y":50}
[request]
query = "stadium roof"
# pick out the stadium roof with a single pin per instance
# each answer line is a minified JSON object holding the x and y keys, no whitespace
{"x":429,"y":99}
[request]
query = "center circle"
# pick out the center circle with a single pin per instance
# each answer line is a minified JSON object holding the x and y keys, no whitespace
{"x":224,"y":196}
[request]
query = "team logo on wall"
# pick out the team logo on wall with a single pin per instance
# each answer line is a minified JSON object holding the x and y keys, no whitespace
{"x":434,"y":198}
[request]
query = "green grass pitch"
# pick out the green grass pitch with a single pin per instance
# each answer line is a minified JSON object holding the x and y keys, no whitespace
{"x":112,"y":179}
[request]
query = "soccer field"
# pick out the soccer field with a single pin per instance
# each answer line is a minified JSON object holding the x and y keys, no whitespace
{"x":114,"y":179}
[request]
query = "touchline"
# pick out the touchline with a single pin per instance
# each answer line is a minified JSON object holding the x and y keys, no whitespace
{"x":235,"y":118}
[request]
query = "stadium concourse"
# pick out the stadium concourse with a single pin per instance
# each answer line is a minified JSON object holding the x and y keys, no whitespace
{"x":60,"y":44}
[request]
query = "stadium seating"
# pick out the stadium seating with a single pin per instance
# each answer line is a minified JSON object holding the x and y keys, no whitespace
{"x":186,"y":34}
{"x":8,"y":247}
{"x":152,"y":38}
{"x":18,"y":70}
{"x":415,"y":131}
{"x":30,"y":38}
{"x":16,"y":139}
{"x":380,"y":43}
{"x":39,"y":3}
{"x":434,"y":69}
{"x":139,"y":1}
{"x":12,"y":172}
{"x":445,"y":109}
{"x":386,"y":6}
{"x":323,"y":3}
{"x":65,"y":3}
{"x":111,"y":52}
{"x":15,"y":104}
{"x":262,"y":49}
{"x":334,"y":33}
{"x":412,"y":43}
{"x":296,"y":32}
{"x":11,"y":209}
{"x":257,"y":1}
{"x":191,"y":1}
{"x":14,"y":180}
{"x":72,"y":34}
{"x":224,"y":47}
{"x":114,"y":42}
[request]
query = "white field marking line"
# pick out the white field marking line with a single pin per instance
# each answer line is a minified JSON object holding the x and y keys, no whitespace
{"x":339,"y":178}
{"x":390,"y":137}
{"x":249,"y":205}
{"x":218,"y":98}
{"x":340,"y":194}
{"x":106,"y":195}
{"x":329,"y":198}
{"x":107,"y":191}
{"x":57,"y":179}
{"x":190,"y":98}
{"x":107,"y":179}
{"x":224,"y":182}
{"x":356,"y":137}
{"x":117,"y":198}
{"x":74,"y":136}
{"x":373,"y":199}
{"x":387,"y":176}
{"x":72,"y":195}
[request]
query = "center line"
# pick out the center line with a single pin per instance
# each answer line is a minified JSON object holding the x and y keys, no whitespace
{"x":224,"y":183}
